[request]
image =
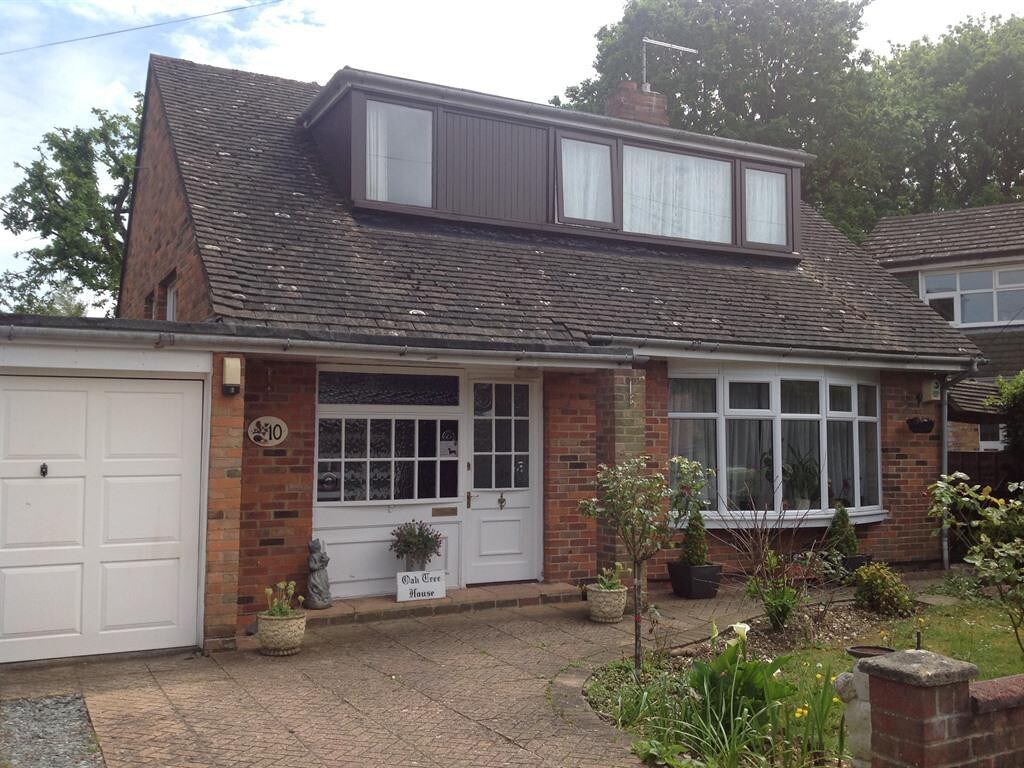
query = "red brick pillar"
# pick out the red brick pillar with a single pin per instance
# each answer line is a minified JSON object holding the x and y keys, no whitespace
{"x":920,"y":710}
{"x":223,"y":510}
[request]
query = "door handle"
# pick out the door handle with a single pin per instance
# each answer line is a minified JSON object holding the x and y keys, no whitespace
{"x":469,"y":499}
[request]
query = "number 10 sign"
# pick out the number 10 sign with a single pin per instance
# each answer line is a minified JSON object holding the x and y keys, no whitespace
{"x":267,"y":431}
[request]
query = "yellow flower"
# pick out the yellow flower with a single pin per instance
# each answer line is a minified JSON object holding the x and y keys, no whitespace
{"x":818,"y":676}
{"x":835,"y":699}
{"x":833,"y":679}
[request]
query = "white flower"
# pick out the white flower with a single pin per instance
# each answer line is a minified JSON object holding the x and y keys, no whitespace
{"x":741,"y":630}
{"x":732,"y":641}
{"x":777,"y":674}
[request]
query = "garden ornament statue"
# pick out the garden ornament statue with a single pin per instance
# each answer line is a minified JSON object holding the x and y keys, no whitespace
{"x":319,"y":583}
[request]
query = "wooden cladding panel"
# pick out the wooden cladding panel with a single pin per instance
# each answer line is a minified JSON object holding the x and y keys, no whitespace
{"x":333,"y":138}
{"x":493,"y":168}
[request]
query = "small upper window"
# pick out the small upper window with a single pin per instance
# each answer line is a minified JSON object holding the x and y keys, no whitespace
{"x":171,"y":312}
{"x":399,"y":154}
{"x":676,"y":195}
{"x":358,"y":388}
{"x":977,"y":297}
{"x":586,"y":181}
{"x":765,"y":206}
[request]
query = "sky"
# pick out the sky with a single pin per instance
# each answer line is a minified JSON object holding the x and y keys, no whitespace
{"x":527,"y":49}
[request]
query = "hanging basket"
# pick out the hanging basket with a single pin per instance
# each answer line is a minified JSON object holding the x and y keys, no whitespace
{"x":920,"y":426}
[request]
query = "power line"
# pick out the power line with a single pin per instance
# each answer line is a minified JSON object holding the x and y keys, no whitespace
{"x":136,"y":29}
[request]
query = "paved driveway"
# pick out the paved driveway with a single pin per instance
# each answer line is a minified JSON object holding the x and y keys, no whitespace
{"x":470,"y":689}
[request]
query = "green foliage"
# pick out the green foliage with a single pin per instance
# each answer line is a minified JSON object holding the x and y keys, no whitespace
{"x":690,"y":480}
{"x":931,"y":126}
{"x":282,"y":600}
{"x":840,"y":536}
{"x":998,"y":549}
{"x":610,"y":578}
{"x":61,"y":198}
{"x":879,"y":588}
{"x":1010,"y":402}
{"x":773,"y":583}
{"x":801,"y":474}
{"x":416,"y":541}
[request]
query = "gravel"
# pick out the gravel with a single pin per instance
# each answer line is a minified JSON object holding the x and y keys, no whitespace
{"x":54,"y":732}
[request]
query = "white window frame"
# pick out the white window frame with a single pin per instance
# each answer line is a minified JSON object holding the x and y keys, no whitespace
{"x":957,"y":293}
{"x":392,"y":412}
{"x":992,"y":445}
{"x":721,"y":517}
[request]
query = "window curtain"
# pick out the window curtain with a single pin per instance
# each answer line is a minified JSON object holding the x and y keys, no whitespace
{"x":765,"y":194}
{"x":399,"y":144}
{"x":868,"y":448}
{"x":587,"y":182}
{"x":696,"y":439}
{"x":749,"y":473}
{"x":692,"y":396}
{"x":675,"y":195}
{"x":839,"y":440}
{"x":801,"y":465}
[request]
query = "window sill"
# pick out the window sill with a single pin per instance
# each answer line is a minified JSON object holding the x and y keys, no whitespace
{"x":792,"y":519}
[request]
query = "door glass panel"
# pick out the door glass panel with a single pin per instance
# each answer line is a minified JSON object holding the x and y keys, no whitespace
{"x":503,"y":471}
{"x":355,"y":438}
{"x":483,"y":400}
{"x":482,"y":435}
{"x":330,"y":438}
{"x":522,"y":435}
{"x":522,"y":400}
{"x":405,"y":438}
{"x":427,"y":440}
{"x":355,"y":480}
{"x":449,"y":485}
{"x":427,"y":480}
{"x":405,"y":480}
{"x":449,"y":445}
{"x":380,"y":480}
{"x":482,"y":464}
{"x":521,"y":471}
{"x":503,"y":434}
{"x":502,"y":399}
{"x":328,"y":481}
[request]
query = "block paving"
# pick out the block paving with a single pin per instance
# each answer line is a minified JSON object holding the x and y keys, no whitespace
{"x":497,"y":687}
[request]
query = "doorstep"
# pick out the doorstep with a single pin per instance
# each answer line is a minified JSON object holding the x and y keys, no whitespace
{"x":363,"y":609}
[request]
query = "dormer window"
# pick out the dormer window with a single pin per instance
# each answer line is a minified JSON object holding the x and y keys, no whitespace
{"x":766,"y":206}
{"x":399,"y":154}
{"x":587,"y":170}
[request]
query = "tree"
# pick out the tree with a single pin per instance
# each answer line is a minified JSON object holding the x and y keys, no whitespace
{"x":63,"y":197}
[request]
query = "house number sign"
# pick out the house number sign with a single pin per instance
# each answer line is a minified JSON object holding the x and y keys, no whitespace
{"x":268,"y":431}
{"x":420,"y":585}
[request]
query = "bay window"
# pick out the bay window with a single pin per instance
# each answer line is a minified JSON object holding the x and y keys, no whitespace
{"x":798,"y":443}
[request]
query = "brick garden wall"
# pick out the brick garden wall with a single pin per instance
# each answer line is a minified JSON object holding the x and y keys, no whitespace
{"x":223,"y":512}
{"x":277,"y":488}
{"x":570,"y":468}
{"x":162,"y":241}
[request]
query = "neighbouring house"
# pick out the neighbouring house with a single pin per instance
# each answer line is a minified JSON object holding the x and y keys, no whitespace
{"x":348,"y":306}
{"x":968,"y":265}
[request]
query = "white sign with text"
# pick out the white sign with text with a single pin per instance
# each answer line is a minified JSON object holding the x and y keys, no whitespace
{"x":420,"y":585}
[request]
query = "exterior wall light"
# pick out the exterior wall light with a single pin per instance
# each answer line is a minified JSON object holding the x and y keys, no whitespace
{"x":231,"y":379}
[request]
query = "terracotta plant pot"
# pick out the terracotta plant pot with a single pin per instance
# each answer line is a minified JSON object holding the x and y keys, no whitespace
{"x":606,"y":605}
{"x":281,"y":635}
{"x":696,"y":582}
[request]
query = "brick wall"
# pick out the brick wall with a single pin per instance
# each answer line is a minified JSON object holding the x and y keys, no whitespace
{"x":629,"y":102}
{"x":162,"y":241}
{"x":570,"y":468}
{"x":910,"y":462}
{"x":925,"y":713}
{"x":227,"y":428}
{"x":277,"y":487}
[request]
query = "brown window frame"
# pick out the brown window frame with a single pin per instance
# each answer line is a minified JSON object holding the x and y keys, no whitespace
{"x":615,"y":156}
{"x":791,"y":206}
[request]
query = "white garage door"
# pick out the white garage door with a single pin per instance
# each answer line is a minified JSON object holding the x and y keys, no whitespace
{"x":99,"y":515}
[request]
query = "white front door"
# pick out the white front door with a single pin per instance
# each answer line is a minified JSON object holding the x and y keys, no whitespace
{"x":99,"y":515}
{"x":503,"y":515}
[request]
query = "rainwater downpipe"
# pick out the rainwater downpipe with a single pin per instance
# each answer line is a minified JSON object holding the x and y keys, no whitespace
{"x":947,"y":384}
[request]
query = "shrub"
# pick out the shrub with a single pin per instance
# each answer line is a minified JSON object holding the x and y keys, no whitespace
{"x":773,"y":584}
{"x":840,"y":536}
{"x":694,"y":549}
{"x":690,"y":479}
{"x":416,"y":542}
{"x":880,"y":589}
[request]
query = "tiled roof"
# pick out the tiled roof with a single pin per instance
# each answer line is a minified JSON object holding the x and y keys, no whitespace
{"x":282,"y":248}
{"x":992,"y":230}
{"x":1003,"y":347}
{"x":969,"y":396}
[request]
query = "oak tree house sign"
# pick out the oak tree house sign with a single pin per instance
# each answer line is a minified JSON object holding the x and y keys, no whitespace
{"x":268,"y":431}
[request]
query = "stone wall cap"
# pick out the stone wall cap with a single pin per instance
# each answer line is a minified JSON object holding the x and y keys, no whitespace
{"x":921,"y":669}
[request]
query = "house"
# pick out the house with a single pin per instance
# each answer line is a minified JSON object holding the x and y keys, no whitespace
{"x":968,"y":265}
{"x":349,"y":306}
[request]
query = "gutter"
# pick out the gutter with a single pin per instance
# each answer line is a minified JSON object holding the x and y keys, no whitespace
{"x":213,"y":342}
{"x":699,"y":348}
{"x":947,"y":384}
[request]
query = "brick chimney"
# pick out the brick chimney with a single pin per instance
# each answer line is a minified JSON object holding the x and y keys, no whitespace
{"x":630,"y":102}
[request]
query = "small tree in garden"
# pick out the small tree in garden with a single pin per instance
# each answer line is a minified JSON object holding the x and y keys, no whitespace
{"x":1010,"y":402}
{"x":690,"y":479}
{"x":840,"y":536}
{"x":997,"y":549}
{"x":631,"y":499}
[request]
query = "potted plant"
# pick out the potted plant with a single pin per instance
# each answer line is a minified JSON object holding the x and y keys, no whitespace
{"x":282,"y":626}
{"x":607,"y":596}
{"x":691,"y":574}
{"x":802,"y":476}
{"x":416,"y":542}
{"x":841,"y":537}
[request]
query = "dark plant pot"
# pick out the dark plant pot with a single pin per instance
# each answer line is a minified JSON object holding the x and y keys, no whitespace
{"x":696,"y":582}
{"x":920,"y":426}
{"x":867,"y":651}
{"x":851,"y":564}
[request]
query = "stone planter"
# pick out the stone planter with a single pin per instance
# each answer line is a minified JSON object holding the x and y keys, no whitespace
{"x":606,"y":605}
{"x":696,"y":582}
{"x":281,"y":635}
